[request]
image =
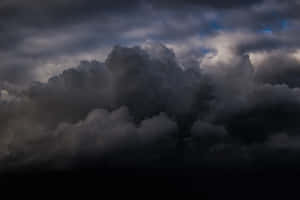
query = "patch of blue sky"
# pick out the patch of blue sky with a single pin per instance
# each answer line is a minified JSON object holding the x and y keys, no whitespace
{"x":267,"y":31}
{"x":205,"y":50}
{"x":216,"y":26}
{"x":284,"y":24}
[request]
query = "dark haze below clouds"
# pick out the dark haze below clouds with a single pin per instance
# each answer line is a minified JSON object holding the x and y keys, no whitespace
{"x":189,"y":84}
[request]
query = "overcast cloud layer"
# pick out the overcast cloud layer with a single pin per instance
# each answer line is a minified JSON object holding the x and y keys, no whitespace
{"x":149,"y":83}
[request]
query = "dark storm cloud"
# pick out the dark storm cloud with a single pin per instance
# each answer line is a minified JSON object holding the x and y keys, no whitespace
{"x":141,"y":108}
{"x":57,"y":12}
{"x":212,"y":3}
{"x":230,"y":94}
{"x":279,"y":70}
{"x":145,"y":83}
{"x":34,"y":34}
{"x":49,"y":13}
{"x":33,"y":15}
{"x":100,"y":134}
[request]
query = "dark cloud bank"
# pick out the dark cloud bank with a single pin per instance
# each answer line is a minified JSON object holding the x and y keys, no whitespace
{"x":219,"y":92}
{"x":141,"y":108}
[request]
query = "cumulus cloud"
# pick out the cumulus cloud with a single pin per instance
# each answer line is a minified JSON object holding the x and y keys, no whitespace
{"x":279,"y":68}
{"x":141,"y":105}
{"x":130,"y":77}
{"x":215,"y":83}
{"x":100,"y":135}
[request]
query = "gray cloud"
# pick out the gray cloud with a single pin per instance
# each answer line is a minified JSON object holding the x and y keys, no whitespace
{"x":140,"y":107}
{"x":34,"y":35}
{"x":100,"y":135}
{"x":279,"y":70}
{"x":226,"y":86}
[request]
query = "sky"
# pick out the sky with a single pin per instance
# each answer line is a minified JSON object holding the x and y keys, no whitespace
{"x":149,"y":83}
